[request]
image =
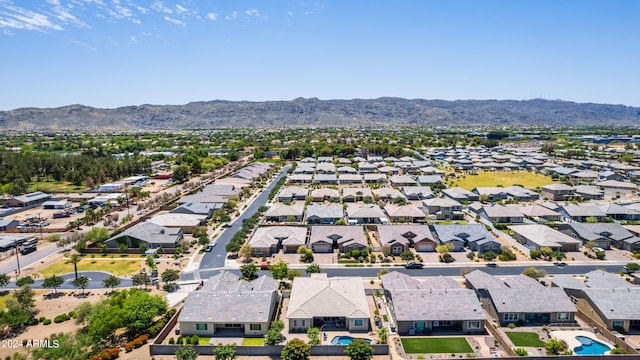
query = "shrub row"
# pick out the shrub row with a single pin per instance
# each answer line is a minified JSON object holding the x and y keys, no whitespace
{"x":136,"y":343}
{"x":60,"y":318}
{"x":107,"y":354}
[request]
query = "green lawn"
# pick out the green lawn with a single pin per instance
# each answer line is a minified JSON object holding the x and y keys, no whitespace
{"x":6,"y":295}
{"x":486,"y":179}
{"x":116,"y":267}
{"x":203,"y":340}
{"x":436,"y":345}
{"x":253,"y":342}
{"x":530,"y":339}
{"x":56,"y":187}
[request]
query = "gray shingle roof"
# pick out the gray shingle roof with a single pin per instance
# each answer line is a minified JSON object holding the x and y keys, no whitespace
{"x":151,"y":233}
{"x":616,"y":304}
{"x":319,"y":295}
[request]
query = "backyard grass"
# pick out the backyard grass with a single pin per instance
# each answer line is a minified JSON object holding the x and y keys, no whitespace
{"x":451,"y":345}
{"x":116,"y":267}
{"x":487,"y":179}
{"x":6,"y":295}
{"x":253,"y":342}
{"x":530,"y":339}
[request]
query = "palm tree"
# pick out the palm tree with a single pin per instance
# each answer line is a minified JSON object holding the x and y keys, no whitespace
{"x":75,"y":259}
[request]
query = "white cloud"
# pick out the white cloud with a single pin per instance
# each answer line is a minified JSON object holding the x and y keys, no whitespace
{"x":290,"y":13}
{"x":132,"y":38}
{"x":181,"y":9}
{"x":159,"y":7}
{"x":212,"y":16}
{"x":252,"y":12}
{"x":83,"y":44}
{"x":15,"y":17}
{"x":174,"y":21}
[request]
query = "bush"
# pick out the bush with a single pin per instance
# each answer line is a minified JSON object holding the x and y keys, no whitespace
{"x":195,"y":340}
{"x":42,"y":318}
{"x":172,"y":341}
{"x":72,"y":314}
{"x":128,"y":347}
{"x":511,"y":326}
{"x":32,"y":321}
{"x":109,"y":354}
{"x":46,"y":322}
{"x":60,"y":318}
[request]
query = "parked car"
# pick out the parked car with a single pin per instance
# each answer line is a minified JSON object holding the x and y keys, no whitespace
{"x":213,"y":243}
{"x":492,"y":264}
{"x":28,"y":249}
{"x":413,"y":265}
{"x":265,"y":266}
{"x":208,"y":248}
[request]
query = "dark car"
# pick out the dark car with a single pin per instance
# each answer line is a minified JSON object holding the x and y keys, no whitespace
{"x":28,"y":249}
{"x":413,"y":265}
{"x":208,"y":248}
{"x":492,"y":264}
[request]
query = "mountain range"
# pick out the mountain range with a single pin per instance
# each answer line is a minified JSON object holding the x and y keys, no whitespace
{"x":314,"y":112}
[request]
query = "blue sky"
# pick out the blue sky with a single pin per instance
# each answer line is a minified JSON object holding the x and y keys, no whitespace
{"x":111,"y":53}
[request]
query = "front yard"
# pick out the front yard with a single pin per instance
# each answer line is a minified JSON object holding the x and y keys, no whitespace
{"x":253,"y":341}
{"x":449,"y":345}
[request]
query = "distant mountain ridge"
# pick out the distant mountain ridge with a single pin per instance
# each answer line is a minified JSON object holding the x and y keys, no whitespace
{"x":314,"y":112}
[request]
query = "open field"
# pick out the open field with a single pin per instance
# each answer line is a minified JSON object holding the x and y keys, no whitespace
{"x":116,"y":267}
{"x":55,"y":187}
{"x":486,"y":179}
{"x":4,"y":296}
{"x":530,"y":339}
{"x":449,"y":345}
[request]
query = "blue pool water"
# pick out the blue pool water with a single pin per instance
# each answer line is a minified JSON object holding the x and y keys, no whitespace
{"x":345,"y":340}
{"x":590,"y":347}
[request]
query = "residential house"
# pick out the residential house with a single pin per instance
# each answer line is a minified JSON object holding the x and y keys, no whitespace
{"x":185,"y":222}
{"x":492,"y":193}
{"x":474,"y":236}
{"x":421,"y":307}
{"x":502,"y":214}
{"x":292,"y":193}
{"x":356,"y":194}
{"x":285,"y":213}
{"x":404,"y":213}
{"x":325,"y":194}
{"x":589,"y":192}
{"x":269,"y":240}
{"x":388,"y":194}
{"x":366,"y":168}
{"x":539,"y":213}
{"x":443,"y":209}
{"x":417,"y":192}
{"x":426,"y":180}
{"x":619,"y":212}
{"x":6,"y":224}
{"x":399,"y":181}
{"x":366,"y":214}
{"x":325,"y":239}
{"x":605,"y":297}
{"x":324,"y":214}
{"x":617,"y":188}
{"x":300,"y":179}
{"x":148,"y":233}
{"x":584,"y":177}
{"x":198,"y":208}
{"x":350,"y":179}
{"x":522,"y":300}
{"x":242,"y":308}
{"x":331,"y":179}
{"x":374,"y":178}
{"x":328,"y":303}
{"x":582,"y":212}
{"x":459,"y":194}
{"x":631,"y":244}
{"x":536,"y":236}
{"x":402,"y":237}
{"x":558,"y":192}
{"x":346,"y":170}
{"x":604,"y":235}
{"x":326,"y":168}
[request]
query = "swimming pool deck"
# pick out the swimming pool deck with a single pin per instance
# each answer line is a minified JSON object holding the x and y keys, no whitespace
{"x":569,"y":337}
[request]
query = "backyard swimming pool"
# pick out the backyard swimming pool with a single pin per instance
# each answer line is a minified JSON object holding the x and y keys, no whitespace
{"x":590,"y":347}
{"x":345,"y":340}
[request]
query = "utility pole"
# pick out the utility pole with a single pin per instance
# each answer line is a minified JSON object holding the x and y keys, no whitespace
{"x":15,"y":245}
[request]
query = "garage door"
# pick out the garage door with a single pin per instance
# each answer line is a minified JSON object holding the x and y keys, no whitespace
{"x":321,"y":248}
{"x":425,"y":247}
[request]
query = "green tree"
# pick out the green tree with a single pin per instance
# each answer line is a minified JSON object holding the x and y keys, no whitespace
{"x":489,"y":255}
{"x":293,"y":273}
{"x":558,"y":255}
{"x":313,"y":333}
{"x":445,"y":248}
{"x":295,"y":349}
{"x":53,"y":282}
{"x":27,"y":280}
{"x":246,"y":251}
{"x":590,"y":244}
{"x":81,"y":246}
{"x":382,"y":272}
{"x":534,"y":273}
{"x":82,"y":282}
{"x":249,"y":271}
{"x":407,"y":255}
{"x":225,"y":352}
{"x":180,"y":173}
{"x":4,"y":279}
{"x":313,"y":269}
{"x":75,"y":259}
{"x":274,"y":334}
{"x":141,"y":279}
{"x":97,"y":235}
{"x":553,"y":346}
{"x":83,"y":312}
{"x":199,"y":231}
{"x":359,"y":349}
{"x":279,"y":270}
{"x":233,"y":247}
{"x":141,"y":308}
{"x":170,"y":275}
{"x":382,"y":335}
{"x":546,"y":251}
{"x":186,"y":353}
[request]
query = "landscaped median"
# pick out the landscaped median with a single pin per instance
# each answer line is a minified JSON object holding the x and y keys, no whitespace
{"x":436,"y":345}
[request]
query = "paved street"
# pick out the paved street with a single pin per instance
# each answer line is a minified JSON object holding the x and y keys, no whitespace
{"x":216,"y":258}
